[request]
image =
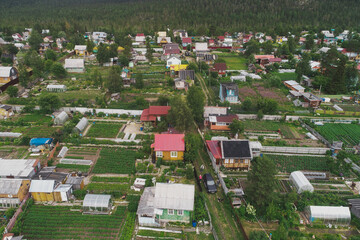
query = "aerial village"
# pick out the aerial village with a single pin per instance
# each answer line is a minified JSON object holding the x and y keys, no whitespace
{"x":173,"y":136}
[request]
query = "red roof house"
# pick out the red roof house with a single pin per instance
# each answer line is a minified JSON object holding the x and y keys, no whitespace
{"x":152,"y":113}
{"x":169,"y":146}
{"x":186,"y":40}
{"x":215,"y":149}
{"x":220,"y":68}
{"x":140,"y":35}
{"x":221,"y":38}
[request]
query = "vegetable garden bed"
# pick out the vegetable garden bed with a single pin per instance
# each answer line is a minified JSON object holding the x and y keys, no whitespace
{"x":58,"y":222}
{"x":293,"y":163}
{"x":347,"y":133}
{"x":104,"y":130}
{"x":116,"y":160}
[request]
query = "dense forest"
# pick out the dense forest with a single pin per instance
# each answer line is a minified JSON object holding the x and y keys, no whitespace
{"x":197,"y":16}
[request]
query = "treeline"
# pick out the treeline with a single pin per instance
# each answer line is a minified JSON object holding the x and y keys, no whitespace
{"x":198,"y":17}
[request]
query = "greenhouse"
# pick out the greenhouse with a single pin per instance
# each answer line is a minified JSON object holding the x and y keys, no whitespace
{"x":97,"y":204}
{"x":61,"y":118}
{"x":300,"y":182}
{"x":339,"y":216}
{"x":82,"y":124}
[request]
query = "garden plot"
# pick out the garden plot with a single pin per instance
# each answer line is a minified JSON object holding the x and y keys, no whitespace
{"x":104,"y":130}
{"x":116,"y":160}
{"x":58,"y":222}
{"x":349,"y":134}
{"x":273,"y":129}
{"x":288,"y":164}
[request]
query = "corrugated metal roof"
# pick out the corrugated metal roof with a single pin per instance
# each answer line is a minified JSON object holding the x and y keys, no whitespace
{"x":45,"y":186}
{"x":10,"y":186}
{"x":174,"y":196}
{"x":5,"y":71}
{"x":17,"y":167}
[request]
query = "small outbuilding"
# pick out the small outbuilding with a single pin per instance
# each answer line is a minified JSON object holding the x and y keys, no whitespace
{"x":42,"y":190}
{"x":300,"y":182}
{"x":61,"y":118}
{"x":97,"y":204}
{"x":82,"y":124}
{"x":339,"y":216}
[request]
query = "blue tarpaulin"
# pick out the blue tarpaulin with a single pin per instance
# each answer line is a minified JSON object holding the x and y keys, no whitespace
{"x":40,"y":141}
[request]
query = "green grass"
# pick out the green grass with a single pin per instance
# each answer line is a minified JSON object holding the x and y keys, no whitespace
{"x":35,"y":118}
{"x":286,"y":76}
{"x":116,"y":160}
{"x":104,"y":187}
{"x":293,"y":163}
{"x":104,"y":130}
{"x":58,"y":222}
{"x":347,"y":133}
{"x":235,"y":62}
{"x":80,"y":94}
{"x":110,"y":179}
{"x":81,"y":168}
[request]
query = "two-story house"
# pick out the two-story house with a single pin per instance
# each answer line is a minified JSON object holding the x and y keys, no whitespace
{"x":169,"y":147}
{"x":164,"y":203}
{"x":80,"y":50}
{"x":229,"y":92}
{"x":232,"y":154}
{"x":8,"y":74}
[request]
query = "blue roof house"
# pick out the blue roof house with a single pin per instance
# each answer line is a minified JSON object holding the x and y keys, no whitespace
{"x":229,"y":92}
{"x":40,"y":141}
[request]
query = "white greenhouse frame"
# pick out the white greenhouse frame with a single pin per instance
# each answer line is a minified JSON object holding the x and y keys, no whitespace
{"x":300,"y":182}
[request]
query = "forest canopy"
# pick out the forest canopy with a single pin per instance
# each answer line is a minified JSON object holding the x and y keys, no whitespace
{"x":197,"y":16}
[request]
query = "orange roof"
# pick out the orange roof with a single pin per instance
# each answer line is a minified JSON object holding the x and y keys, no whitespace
{"x":159,"y":110}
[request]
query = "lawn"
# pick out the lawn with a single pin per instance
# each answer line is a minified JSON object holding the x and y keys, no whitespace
{"x":116,"y":160}
{"x":79,"y":94}
{"x":235,"y":63}
{"x":286,"y":76}
{"x":55,"y":222}
{"x":293,"y":163}
{"x":347,"y":133}
{"x":105,"y":187}
{"x":104,"y":130}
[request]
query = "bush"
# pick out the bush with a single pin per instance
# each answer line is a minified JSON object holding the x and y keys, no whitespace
{"x":133,"y":202}
{"x":158,"y":162}
{"x":80,"y":194}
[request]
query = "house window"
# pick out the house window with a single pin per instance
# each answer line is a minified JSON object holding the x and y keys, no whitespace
{"x":226,"y":160}
{"x":231,"y":160}
{"x":241,"y":161}
{"x":180,"y":212}
{"x":171,"y":211}
{"x":159,"y":154}
{"x":173,"y":154}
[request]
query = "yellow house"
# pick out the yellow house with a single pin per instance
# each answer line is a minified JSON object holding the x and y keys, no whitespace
{"x":80,"y":50}
{"x":179,"y":67}
{"x":169,"y":147}
{"x":8,"y":74}
{"x":13,"y":191}
{"x":42,"y":190}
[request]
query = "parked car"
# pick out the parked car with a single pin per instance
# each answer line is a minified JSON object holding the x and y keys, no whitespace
{"x":209,"y":183}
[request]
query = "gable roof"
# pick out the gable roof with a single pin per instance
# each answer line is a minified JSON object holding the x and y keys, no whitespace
{"x":227,"y":118}
{"x":10,"y":186}
{"x":159,"y":110}
{"x":45,"y":186}
{"x":220,"y":66}
{"x":236,"y":149}
{"x":174,"y":196}
{"x":169,"y":142}
{"x":214,"y":110}
{"x":262,"y":57}
{"x":80,"y":47}
{"x":229,"y":86}
{"x":146,"y":117}
{"x":186,"y":40}
{"x":5,"y":71}
{"x":185,"y":74}
{"x":214,"y":148}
